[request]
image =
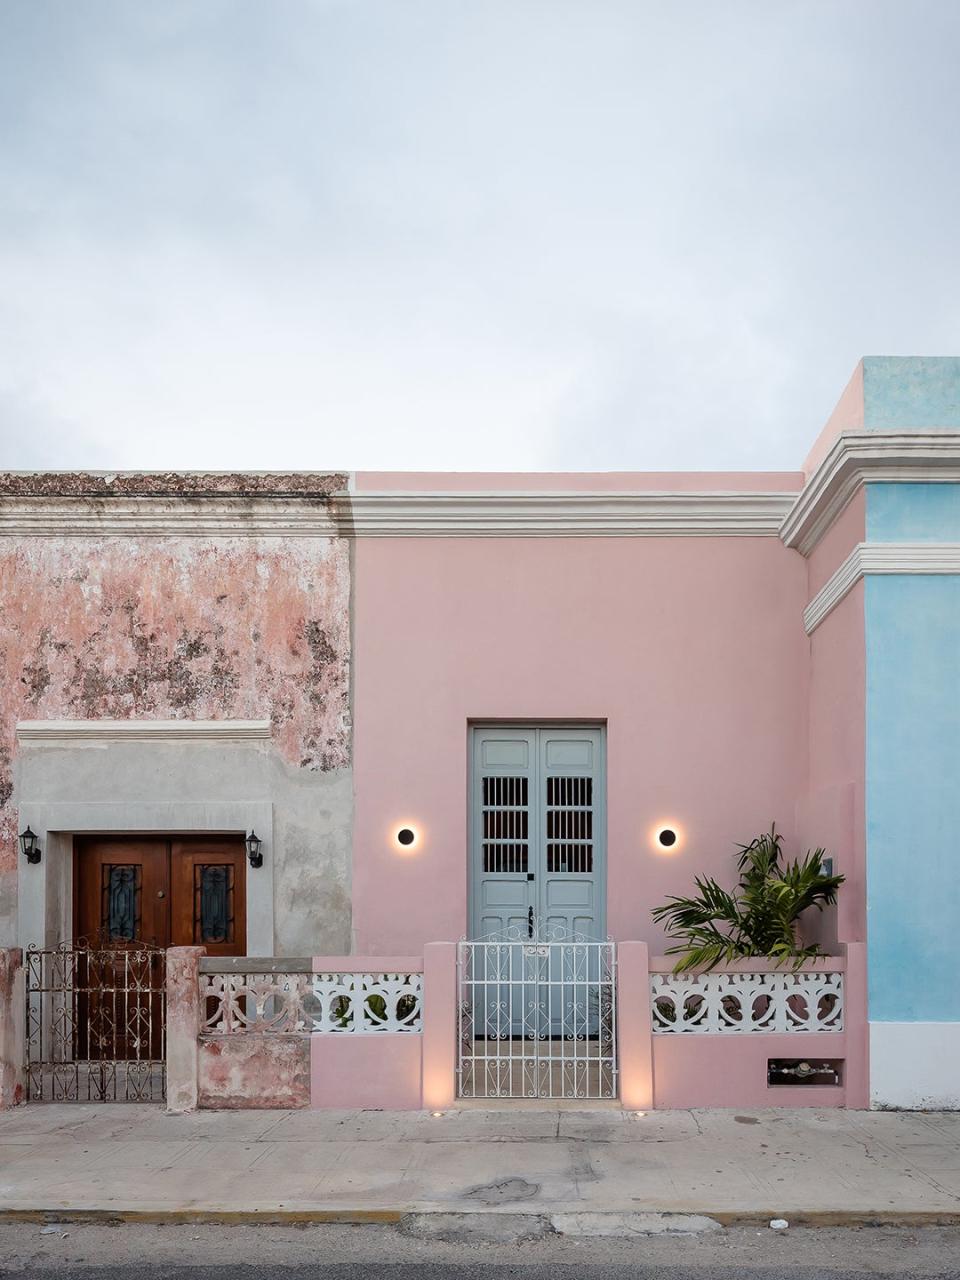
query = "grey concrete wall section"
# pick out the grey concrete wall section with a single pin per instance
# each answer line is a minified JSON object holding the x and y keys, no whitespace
{"x":8,"y":908}
{"x":163,"y":786}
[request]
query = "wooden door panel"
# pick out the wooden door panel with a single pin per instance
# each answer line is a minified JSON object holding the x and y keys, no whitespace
{"x":122,"y":900}
{"x":189,"y":891}
{"x":209,"y":892}
{"x":122,"y":890}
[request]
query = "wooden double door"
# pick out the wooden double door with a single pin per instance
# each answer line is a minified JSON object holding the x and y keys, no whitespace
{"x":163,"y":891}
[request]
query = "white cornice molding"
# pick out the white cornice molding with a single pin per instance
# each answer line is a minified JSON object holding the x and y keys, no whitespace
{"x":76,"y":732}
{"x":861,"y":456}
{"x":879,"y":557}
{"x":407,"y":515}
{"x":564,"y":514}
{"x":150,"y":517}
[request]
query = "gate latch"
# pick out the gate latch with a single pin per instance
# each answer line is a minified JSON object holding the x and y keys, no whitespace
{"x":529,"y":922}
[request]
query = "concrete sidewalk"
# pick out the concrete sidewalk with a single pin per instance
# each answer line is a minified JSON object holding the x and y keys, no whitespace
{"x":807,"y":1166}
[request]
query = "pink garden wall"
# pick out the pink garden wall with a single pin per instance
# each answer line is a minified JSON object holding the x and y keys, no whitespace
{"x":691,"y":650}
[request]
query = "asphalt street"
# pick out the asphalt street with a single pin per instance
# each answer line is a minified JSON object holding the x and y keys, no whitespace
{"x":454,"y":1271}
{"x":338,"y":1252}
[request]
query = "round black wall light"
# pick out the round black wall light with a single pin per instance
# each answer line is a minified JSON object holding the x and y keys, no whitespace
{"x":666,"y":837}
{"x":406,"y":836}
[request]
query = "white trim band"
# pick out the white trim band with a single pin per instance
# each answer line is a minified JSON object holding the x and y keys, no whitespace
{"x":69,"y":733}
{"x":563,"y":514}
{"x":907,"y":457}
{"x":879,"y":557}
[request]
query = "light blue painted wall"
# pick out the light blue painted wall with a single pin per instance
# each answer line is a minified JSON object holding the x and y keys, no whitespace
{"x":912,"y":625}
{"x":913,"y":513}
{"x":911,"y":391}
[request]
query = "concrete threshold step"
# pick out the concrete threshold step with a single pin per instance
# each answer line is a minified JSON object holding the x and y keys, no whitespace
{"x":535,"y":1104}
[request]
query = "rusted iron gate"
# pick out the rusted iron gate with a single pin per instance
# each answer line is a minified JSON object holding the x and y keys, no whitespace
{"x":96,"y":1023}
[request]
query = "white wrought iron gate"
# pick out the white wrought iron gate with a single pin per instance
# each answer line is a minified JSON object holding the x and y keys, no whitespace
{"x":537,"y":1015}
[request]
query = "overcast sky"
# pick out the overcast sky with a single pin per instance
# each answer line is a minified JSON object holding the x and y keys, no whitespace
{"x":433,"y":234}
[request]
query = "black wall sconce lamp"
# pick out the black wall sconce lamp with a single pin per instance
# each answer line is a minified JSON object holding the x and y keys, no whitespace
{"x":29,"y":845}
{"x":406,"y":836}
{"x":254,"y":849}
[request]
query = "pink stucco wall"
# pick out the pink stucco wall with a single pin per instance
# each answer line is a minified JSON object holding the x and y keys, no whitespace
{"x":836,"y":544}
{"x":846,"y":416}
{"x":832,"y":813}
{"x":381,"y":1071}
{"x":730,"y":1069}
{"x":689,"y":649}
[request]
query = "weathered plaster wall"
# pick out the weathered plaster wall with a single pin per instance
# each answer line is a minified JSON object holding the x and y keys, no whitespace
{"x":134,"y":786}
{"x":248,"y":1071}
{"x":193,"y":628}
{"x":12,"y":1030}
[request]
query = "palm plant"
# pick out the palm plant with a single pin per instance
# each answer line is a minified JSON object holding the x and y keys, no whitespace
{"x":759,"y":918}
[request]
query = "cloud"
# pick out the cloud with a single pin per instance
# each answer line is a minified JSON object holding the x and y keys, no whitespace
{"x":441,"y":235}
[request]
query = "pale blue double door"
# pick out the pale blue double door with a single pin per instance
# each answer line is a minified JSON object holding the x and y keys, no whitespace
{"x":537,"y":857}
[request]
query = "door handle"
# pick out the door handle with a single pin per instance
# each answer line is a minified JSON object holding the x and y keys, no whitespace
{"x":529,"y":922}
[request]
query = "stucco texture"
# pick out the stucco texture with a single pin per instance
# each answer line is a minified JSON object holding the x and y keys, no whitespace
{"x":179,"y":628}
{"x":912,"y":762}
{"x":690,"y":650}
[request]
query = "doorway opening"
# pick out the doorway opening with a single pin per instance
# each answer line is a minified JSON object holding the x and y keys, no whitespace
{"x":96,"y":1004}
{"x":537,"y":1009}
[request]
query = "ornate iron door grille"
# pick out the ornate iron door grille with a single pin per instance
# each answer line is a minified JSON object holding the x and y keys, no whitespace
{"x":96,"y":1023}
{"x":537,"y":1015}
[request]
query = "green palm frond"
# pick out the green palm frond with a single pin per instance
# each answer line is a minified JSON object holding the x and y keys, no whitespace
{"x":759,"y":918}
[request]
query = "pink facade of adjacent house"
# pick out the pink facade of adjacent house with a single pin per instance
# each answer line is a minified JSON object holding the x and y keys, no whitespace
{"x":467,"y":707}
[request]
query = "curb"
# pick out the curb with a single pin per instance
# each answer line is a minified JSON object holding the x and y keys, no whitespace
{"x":682,"y":1221}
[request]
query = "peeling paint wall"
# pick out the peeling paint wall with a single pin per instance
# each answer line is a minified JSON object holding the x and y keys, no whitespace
{"x":12,"y":1030}
{"x":190,"y":627}
{"x":245,"y":1071}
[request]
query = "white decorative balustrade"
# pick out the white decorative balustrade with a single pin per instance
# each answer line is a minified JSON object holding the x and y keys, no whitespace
{"x":362,"y":1002}
{"x":234,"y":1003}
{"x":290,"y":999}
{"x":743,"y":1002}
